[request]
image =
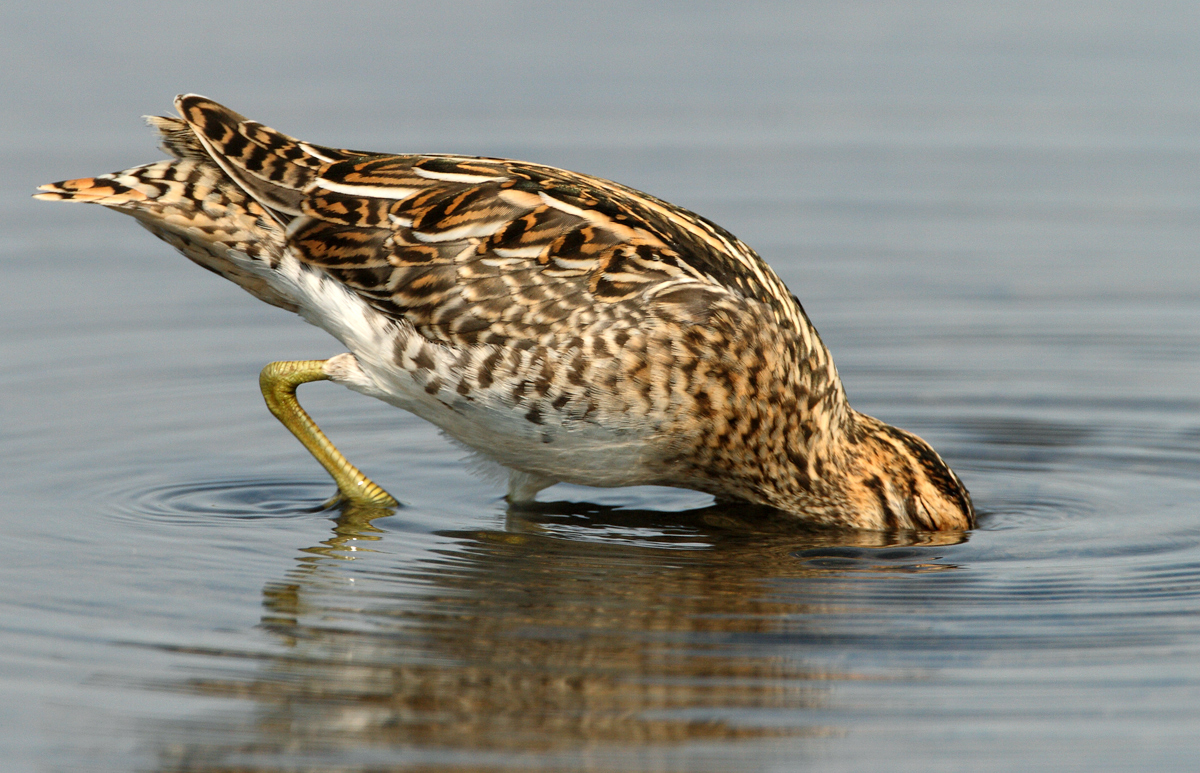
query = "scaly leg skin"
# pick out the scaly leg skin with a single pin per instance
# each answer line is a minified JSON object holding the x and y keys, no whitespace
{"x":279,"y":381}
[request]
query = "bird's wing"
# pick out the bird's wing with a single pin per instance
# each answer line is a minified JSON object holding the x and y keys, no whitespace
{"x":480,"y":250}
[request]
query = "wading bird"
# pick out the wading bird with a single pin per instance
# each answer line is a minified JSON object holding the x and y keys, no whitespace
{"x":567,"y":327}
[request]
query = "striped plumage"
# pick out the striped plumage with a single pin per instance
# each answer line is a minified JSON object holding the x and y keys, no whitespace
{"x":567,"y":327}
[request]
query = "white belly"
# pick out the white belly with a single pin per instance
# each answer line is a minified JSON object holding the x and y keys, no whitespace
{"x":587,"y":453}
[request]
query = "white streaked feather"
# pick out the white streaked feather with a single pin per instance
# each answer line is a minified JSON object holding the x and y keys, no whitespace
{"x":520,"y":253}
{"x":563,"y":206}
{"x":468,"y":231}
{"x":505,"y":259}
{"x":576,"y":264}
{"x":457,"y":177}
{"x":309,"y":149}
{"x":378,"y":191}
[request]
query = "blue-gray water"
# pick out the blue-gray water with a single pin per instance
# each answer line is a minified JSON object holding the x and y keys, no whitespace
{"x":990,"y":210}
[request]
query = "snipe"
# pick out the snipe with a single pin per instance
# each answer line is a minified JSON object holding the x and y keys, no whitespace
{"x":566,"y":327}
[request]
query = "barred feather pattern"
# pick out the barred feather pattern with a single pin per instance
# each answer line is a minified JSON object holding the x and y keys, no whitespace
{"x":567,"y":327}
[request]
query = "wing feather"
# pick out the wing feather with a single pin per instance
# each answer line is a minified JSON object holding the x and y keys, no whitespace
{"x":473,"y":250}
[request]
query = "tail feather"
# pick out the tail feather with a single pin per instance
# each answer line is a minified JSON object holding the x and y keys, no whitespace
{"x":104,"y":189}
{"x":178,"y":139}
{"x":273,"y":167}
{"x":207,"y":207}
{"x":188,"y":196}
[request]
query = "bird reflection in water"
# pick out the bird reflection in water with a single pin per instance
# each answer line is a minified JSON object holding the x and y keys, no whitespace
{"x":580,"y":635}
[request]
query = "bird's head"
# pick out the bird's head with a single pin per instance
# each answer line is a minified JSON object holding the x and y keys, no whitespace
{"x":897,"y":481}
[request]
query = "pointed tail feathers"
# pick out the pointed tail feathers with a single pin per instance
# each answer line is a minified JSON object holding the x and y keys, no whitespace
{"x":178,"y":139}
{"x":273,"y":167}
{"x":105,"y":190}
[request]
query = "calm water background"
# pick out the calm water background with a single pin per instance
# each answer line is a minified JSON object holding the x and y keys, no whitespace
{"x":990,"y":210}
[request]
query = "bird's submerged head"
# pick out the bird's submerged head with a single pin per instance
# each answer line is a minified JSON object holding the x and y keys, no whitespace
{"x":897,"y":481}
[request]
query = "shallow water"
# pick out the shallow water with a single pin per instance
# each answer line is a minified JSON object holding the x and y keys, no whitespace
{"x":991,"y":216}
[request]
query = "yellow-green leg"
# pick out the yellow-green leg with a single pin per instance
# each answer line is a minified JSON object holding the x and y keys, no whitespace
{"x":279,"y":381}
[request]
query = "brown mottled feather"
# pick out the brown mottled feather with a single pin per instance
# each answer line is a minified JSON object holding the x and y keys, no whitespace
{"x":570,"y":300}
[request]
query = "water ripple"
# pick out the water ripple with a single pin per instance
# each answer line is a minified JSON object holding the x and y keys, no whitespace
{"x":215,"y":502}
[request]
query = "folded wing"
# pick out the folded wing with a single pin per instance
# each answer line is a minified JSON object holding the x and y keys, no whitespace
{"x":477,"y":250}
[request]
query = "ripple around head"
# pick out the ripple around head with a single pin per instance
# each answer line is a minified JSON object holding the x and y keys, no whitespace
{"x":1045,"y":511}
{"x":216,"y":501}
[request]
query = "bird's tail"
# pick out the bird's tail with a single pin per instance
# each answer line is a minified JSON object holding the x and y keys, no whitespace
{"x":225,"y":198}
{"x":119,"y":190}
{"x":194,"y":206}
{"x":129,"y":189}
{"x":269,"y":165}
